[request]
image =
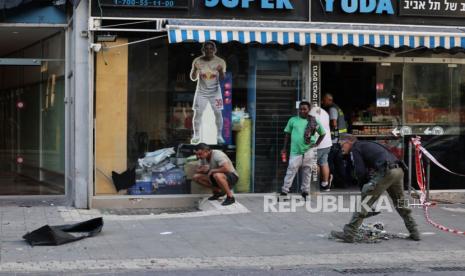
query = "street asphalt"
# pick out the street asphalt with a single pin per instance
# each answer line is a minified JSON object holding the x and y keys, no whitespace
{"x":242,"y":240}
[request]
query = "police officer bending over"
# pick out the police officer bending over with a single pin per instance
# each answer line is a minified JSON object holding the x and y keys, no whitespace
{"x":387,"y":175}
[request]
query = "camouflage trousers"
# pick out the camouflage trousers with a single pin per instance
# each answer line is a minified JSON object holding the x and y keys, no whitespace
{"x":392,"y":181}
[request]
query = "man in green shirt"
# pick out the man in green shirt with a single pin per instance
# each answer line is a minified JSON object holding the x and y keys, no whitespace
{"x":302,"y":155}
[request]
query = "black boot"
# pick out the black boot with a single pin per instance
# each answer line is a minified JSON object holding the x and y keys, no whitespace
{"x":342,"y":236}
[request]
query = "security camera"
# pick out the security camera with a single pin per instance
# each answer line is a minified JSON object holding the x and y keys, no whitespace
{"x":96,"y":47}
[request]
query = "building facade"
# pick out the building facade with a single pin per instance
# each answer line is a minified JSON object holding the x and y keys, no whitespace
{"x":44,"y":50}
{"x":396,"y":69}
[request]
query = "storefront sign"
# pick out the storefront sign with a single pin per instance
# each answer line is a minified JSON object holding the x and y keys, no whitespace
{"x":315,"y":85}
{"x":276,"y":10}
{"x":412,"y":12}
{"x":447,"y":8}
{"x":315,"y":70}
{"x":245,"y":4}
{"x":279,"y":10}
{"x":403,"y":131}
{"x":157,"y":4}
{"x":437,"y":130}
{"x":361,"y":6}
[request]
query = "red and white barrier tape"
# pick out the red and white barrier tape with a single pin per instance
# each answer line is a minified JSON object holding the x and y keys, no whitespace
{"x":420,"y":172}
{"x":417,"y":143}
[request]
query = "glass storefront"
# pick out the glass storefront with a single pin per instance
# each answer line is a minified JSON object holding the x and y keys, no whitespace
{"x":434,"y":94}
{"x":389,"y":102}
{"x":148,"y":114}
{"x":147,"y":118}
{"x":32,"y":115}
{"x":434,"y":101}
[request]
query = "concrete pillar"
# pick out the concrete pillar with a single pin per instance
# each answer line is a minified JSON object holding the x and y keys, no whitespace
{"x":83,"y":111}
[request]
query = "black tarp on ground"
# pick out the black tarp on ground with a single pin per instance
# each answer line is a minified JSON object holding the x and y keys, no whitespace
{"x":61,"y":234}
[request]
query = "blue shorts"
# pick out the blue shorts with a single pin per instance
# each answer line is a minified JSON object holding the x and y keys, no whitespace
{"x":322,"y":156}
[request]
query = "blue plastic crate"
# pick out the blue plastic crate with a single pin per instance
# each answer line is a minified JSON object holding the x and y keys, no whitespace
{"x":141,"y":188}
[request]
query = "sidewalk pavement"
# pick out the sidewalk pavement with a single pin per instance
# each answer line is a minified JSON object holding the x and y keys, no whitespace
{"x":240,"y":236}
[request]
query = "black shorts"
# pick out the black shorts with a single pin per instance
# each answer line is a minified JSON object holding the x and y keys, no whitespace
{"x":230,"y":177}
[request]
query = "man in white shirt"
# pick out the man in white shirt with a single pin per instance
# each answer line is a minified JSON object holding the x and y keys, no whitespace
{"x":324,"y":147}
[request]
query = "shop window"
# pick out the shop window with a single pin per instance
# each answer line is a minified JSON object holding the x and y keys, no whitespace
{"x":434,"y":102}
{"x":377,"y":109}
{"x":155,"y":117}
{"x":147,"y":101}
{"x":32,"y":121}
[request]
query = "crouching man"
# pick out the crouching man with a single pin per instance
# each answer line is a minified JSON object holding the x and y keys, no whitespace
{"x":216,"y":172}
{"x":388,"y":176}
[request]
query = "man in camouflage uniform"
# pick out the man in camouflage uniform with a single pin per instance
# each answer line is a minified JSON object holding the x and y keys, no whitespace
{"x":387,"y":175}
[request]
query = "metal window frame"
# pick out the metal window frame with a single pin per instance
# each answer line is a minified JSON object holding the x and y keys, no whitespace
{"x":373,"y":59}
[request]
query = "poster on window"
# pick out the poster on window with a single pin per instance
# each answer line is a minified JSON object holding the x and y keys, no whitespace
{"x":212,"y":99}
{"x":226,"y":90}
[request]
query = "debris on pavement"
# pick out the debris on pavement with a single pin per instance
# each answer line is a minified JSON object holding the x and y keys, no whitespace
{"x":373,"y":233}
{"x":61,"y":234}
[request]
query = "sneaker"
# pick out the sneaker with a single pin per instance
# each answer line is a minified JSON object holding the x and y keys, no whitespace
{"x":220,"y":140}
{"x":228,"y":201}
{"x":216,"y":196}
{"x":328,"y":188}
{"x":304,"y":195}
{"x":283,"y":194}
{"x":342,"y":236}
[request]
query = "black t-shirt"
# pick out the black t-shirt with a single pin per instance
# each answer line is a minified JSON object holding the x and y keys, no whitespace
{"x":368,"y":155}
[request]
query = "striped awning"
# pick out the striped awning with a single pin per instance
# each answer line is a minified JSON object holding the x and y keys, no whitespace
{"x":314,"y":33}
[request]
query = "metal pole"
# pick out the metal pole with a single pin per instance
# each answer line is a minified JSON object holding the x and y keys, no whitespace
{"x":428,"y":171}
{"x":410,"y":148}
{"x":277,"y":157}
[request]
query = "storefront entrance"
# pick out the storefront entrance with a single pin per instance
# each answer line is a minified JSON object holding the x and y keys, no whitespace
{"x":393,"y":100}
{"x":279,"y":87}
{"x":32,"y":111}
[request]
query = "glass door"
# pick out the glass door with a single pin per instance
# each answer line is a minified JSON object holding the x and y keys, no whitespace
{"x":32,"y":121}
{"x":279,"y":87}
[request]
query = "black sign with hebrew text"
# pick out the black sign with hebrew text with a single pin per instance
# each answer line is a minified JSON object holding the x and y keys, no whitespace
{"x":436,"y":8}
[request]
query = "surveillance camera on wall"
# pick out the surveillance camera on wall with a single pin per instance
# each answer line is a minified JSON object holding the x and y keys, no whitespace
{"x":96,"y":47}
